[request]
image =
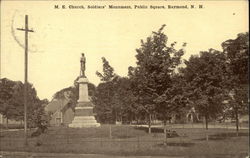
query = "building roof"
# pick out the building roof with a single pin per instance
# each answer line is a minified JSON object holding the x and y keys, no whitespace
{"x":56,"y":104}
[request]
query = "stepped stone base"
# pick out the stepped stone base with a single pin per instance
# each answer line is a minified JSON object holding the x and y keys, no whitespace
{"x":84,"y":121}
{"x":84,"y":116}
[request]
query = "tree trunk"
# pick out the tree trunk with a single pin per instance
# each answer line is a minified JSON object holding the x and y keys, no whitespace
{"x":165,"y":127}
{"x":110,"y":131}
{"x":149,"y":124}
{"x":206,"y":121}
{"x":7,"y":123}
{"x":137,"y":120}
{"x":116,"y":117}
{"x":165,"y":130}
{"x":237,"y":121}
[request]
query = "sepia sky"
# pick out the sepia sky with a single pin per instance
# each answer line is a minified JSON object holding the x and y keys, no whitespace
{"x":61,"y":35}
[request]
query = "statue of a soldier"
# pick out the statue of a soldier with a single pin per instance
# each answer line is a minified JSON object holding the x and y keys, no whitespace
{"x":83,"y":68}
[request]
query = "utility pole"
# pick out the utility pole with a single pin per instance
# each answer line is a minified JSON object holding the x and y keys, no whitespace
{"x":26,"y":30}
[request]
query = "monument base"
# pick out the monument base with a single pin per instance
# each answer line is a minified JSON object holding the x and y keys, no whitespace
{"x":84,"y":116}
{"x":84,"y":121}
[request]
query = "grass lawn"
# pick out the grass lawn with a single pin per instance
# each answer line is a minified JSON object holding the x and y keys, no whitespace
{"x":128,"y":140}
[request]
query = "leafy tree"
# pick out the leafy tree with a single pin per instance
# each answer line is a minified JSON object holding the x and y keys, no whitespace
{"x":206,"y":75}
{"x":12,"y":102}
{"x":114,"y":100}
{"x":35,"y":107}
{"x":123,"y":100}
{"x":39,"y":117}
{"x":103,"y":102}
{"x":7,"y":89}
{"x":71,"y":94}
{"x":104,"y":94}
{"x":108,"y":71}
{"x":173,"y":100}
{"x":237,"y":51}
{"x":152,"y":77}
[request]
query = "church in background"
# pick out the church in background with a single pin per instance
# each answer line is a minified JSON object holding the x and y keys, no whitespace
{"x":60,"y":112}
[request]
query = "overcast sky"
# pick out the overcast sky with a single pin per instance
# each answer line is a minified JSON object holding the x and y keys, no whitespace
{"x":62,"y":35}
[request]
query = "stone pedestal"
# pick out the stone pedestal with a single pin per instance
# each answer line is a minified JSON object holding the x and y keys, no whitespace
{"x":84,"y":116}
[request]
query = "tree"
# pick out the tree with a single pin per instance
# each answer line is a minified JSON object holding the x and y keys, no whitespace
{"x":103,"y":102}
{"x":206,"y":76}
{"x":108,"y":71}
{"x":39,"y":118}
{"x":12,"y":102}
{"x":114,"y":101}
{"x":71,"y":94}
{"x":152,"y":77}
{"x":123,"y":100}
{"x":174,"y":99}
{"x":7,"y":89}
{"x":104,"y":94}
{"x":36,"y":116}
{"x":237,"y":51}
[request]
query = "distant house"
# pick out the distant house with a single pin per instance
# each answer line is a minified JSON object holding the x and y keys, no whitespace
{"x":187,"y":116}
{"x":60,"y":111}
{"x":193,"y":116}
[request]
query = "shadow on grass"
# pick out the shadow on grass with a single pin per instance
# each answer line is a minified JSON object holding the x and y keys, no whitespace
{"x":123,"y":136}
{"x":176,"y":144}
{"x":170,"y":133}
{"x":223,"y":136}
{"x":11,"y":126}
{"x":153,"y":130}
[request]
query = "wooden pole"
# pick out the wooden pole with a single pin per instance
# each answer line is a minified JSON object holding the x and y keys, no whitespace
{"x":26,"y":30}
{"x":26,"y":78}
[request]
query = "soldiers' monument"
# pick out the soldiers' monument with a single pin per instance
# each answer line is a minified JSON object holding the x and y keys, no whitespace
{"x":84,"y":116}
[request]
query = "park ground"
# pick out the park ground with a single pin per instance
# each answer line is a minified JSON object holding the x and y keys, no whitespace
{"x":134,"y":141}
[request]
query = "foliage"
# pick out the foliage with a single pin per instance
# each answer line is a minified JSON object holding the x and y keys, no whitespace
{"x":105,"y":93}
{"x":153,"y":77}
{"x":72,"y":93}
{"x":39,"y":117}
{"x":174,"y":100}
{"x":7,"y":91}
{"x":12,"y":103}
{"x":157,"y":86}
{"x":206,"y":75}
{"x":125,"y":107}
{"x":237,"y":63}
{"x":108,"y":71}
{"x":102,"y":100}
{"x":237,"y":51}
